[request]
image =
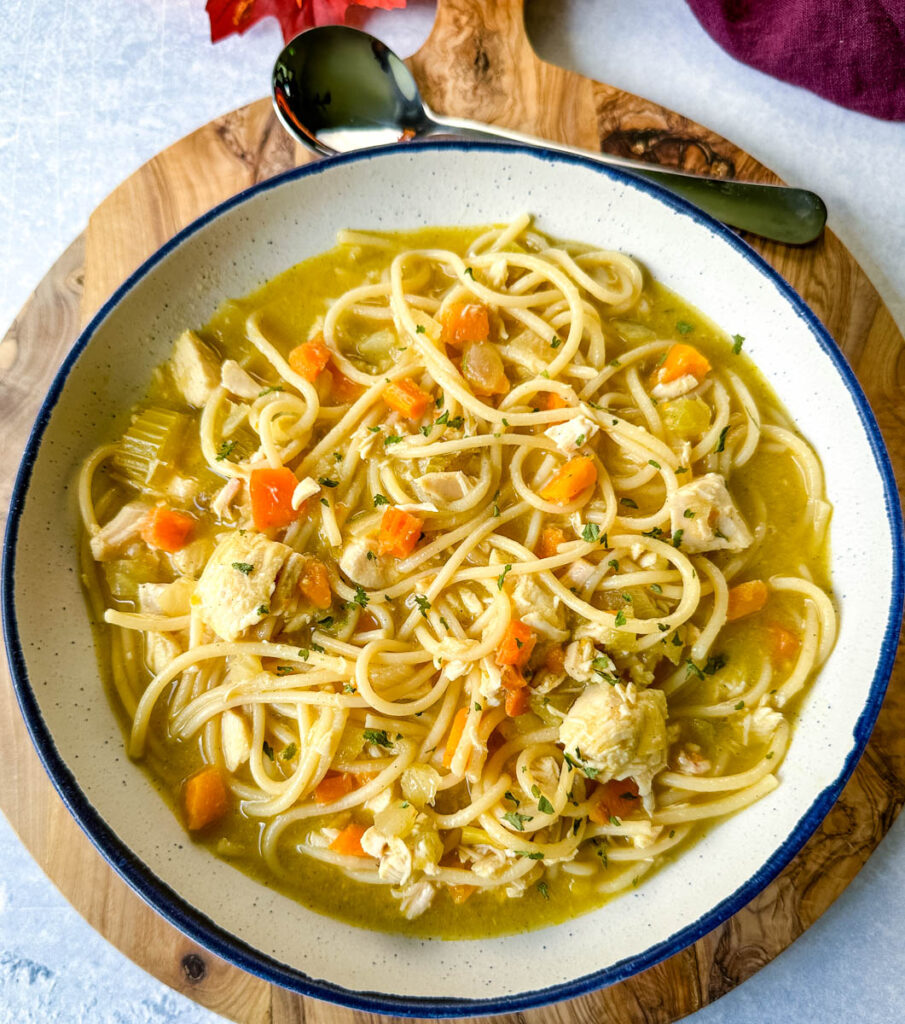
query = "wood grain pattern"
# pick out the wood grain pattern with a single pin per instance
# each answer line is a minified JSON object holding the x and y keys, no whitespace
{"x":477,"y":63}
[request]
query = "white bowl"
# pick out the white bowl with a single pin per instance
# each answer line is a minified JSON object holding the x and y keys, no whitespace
{"x":231,"y":251}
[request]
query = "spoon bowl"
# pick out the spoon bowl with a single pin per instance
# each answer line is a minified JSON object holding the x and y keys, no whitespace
{"x":338,"y":89}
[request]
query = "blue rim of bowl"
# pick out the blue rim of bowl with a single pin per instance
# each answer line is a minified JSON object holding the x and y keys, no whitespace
{"x":229,"y":947}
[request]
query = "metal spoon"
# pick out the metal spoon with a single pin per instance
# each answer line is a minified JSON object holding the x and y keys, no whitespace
{"x":338,"y":89}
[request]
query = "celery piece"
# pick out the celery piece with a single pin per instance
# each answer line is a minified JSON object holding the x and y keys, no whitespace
{"x":150,"y":444}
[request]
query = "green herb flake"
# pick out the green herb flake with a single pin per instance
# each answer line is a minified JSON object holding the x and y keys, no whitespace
{"x":740,"y":705}
{"x":304,"y":653}
{"x":244,"y":567}
{"x":380,"y":499}
{"x":349,"y":688}
{"x":270,"y":390}
{"x":392,"y":439}
{"x":530,"y":854}
{"x":263,"y":609}
{"x":614,"y":564}
{"x":423,"y":604}
{"x":677,"y":538}
{"x":469,"y":273}
{"x":620,"y":618}
{"x":225,"y":450}
{"x":737,"y":342}
{"x":615,"y":362}
{"x":325,"y":481}
{"x":555,"y":342}
{"x":543,"y":889}
{"x":544,"y":805}
{"x":378,"y":737}
{"x":688,"y":514}
{"x":517,"y":820}
{"x":692,"y":670}
{"x":684,"y":327}
{"x":722,"y":442}
{"x":375,"y":430}
{"x":714,"y":663}
{"x":654,"y":463}
{"x":289,"y":752}
{"x":656,"y":588}
{"x":268,"y":750}
{"x":590,"y":533}
{"x":477,"y":706}
{"x":419,"y":329}
{"x":317,"y":648}
{"x":628,"y":502}
{"x":501,"y":579}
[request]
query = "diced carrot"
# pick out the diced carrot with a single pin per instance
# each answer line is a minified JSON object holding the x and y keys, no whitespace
{"x":746,"y":599}
{"x":407,"y":399}
{"x":517,"y":692}
{"x":271,"y":497}
{"x":555,"y":659}
{"x":460,"y":893}
{"x":552,"y":400}
{"x":464,"y":322}
{"x":314,"y":583}
{"x":681,"y":361}
{"x":205,"y":798}
{"x":784,"y":643}
{"x":310,"y":359}
{"x":399,"y":533}
{"x":570,"y":480}
{"x":614,"y":799}
{"x":550,"y":539}
{"x":517,"y":644}
{"x":348,"y":842}
{"x":167,"y":530}
{"x":333,"y":786}
{"x":517,"y":702}
{"x":345,"y":390}
{"x":455,"y":736}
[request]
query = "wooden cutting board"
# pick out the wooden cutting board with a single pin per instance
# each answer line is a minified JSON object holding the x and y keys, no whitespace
{"x":477,"y":63}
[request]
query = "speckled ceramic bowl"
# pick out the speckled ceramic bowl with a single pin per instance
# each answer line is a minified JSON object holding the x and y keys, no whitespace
{"x":231,"y":251}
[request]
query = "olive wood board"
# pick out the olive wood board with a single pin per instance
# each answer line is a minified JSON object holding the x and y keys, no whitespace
{"x":476,"y":63}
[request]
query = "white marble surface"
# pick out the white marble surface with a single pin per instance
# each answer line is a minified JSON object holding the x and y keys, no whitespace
{"x":88,"y":91}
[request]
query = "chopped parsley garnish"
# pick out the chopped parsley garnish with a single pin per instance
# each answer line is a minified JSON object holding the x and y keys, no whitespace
{"x":469,"y":273}
{"x":615,"y":821}
{"x":656,"y":588}
{"x":684,"y":327}
{"x":530,"y":854}
{"x":375,"y":430}
{"x":443,"y":622}
{"x":579,"y":441}
{"x":692,"y":670}
{"x":544,"y":806}
{"x":378,"y":737}
{"x":325,"y":481}
{"x":677,"y":538}
{"x":682,"y":469}
{"x":614,"y":564}
{"x":627,"y":597}
{"x":326,"y":622}
{"x":663,"y":627}
{"x":225,"y":450}
{"x":268,"y":750}
{"x":426,"y":429}
{"x":496,"y":511}
{"x":620,"y":618}
{"x":360,"y":596}
{"x":740,"y":705}
{"x":304,"y":653}
{"x":543,"y":889}
{"x":423,"y":604}
{"x":714,"y":663}
{"x":628,"y":502}
{"x":688,"y":513}
{"x":654,"y":463}
{"x":722,"y":442}
{"x":317,"y":647}
{"x":509,"y":796}
{"x":419,"y":329}
{"x":244,"y":567}
{"x":555,"y":342}
{"x":590,"y":532}
{"x":337,"y":456}
{"x":379,"y":500}
{"x":289,"y":752}
{"x":501,"y":579}
{"x":349,"y":688}
{"x":737,"y":342}
{"x":263,"y":609}
{"x":325,"y":503}
{"x":392,"y":439}
{"x":517,"y":820}
{"x":270,"y":390}
{"x":442,"y":419}
{"x":477,"y":706}
{"x":615,"y":362}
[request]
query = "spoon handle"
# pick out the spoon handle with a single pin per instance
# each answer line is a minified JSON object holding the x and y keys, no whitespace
{"x":784,"y":214}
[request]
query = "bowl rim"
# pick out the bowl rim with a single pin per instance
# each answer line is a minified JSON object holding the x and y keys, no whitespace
{"x":174,"y":907}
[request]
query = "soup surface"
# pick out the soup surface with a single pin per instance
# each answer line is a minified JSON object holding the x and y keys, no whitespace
{"x":455,"y":579}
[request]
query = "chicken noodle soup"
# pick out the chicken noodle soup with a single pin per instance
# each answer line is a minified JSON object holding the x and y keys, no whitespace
{"x":454,"y":579}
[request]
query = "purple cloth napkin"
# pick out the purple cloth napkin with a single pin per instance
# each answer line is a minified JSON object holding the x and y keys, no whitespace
{"x":849,"y":51}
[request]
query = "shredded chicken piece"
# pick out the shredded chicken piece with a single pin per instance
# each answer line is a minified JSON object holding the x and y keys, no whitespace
{"x":195,"y":368}
{"x":705,"y":513}
{"x":121,"y":531}
{"x":238,"y":381}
